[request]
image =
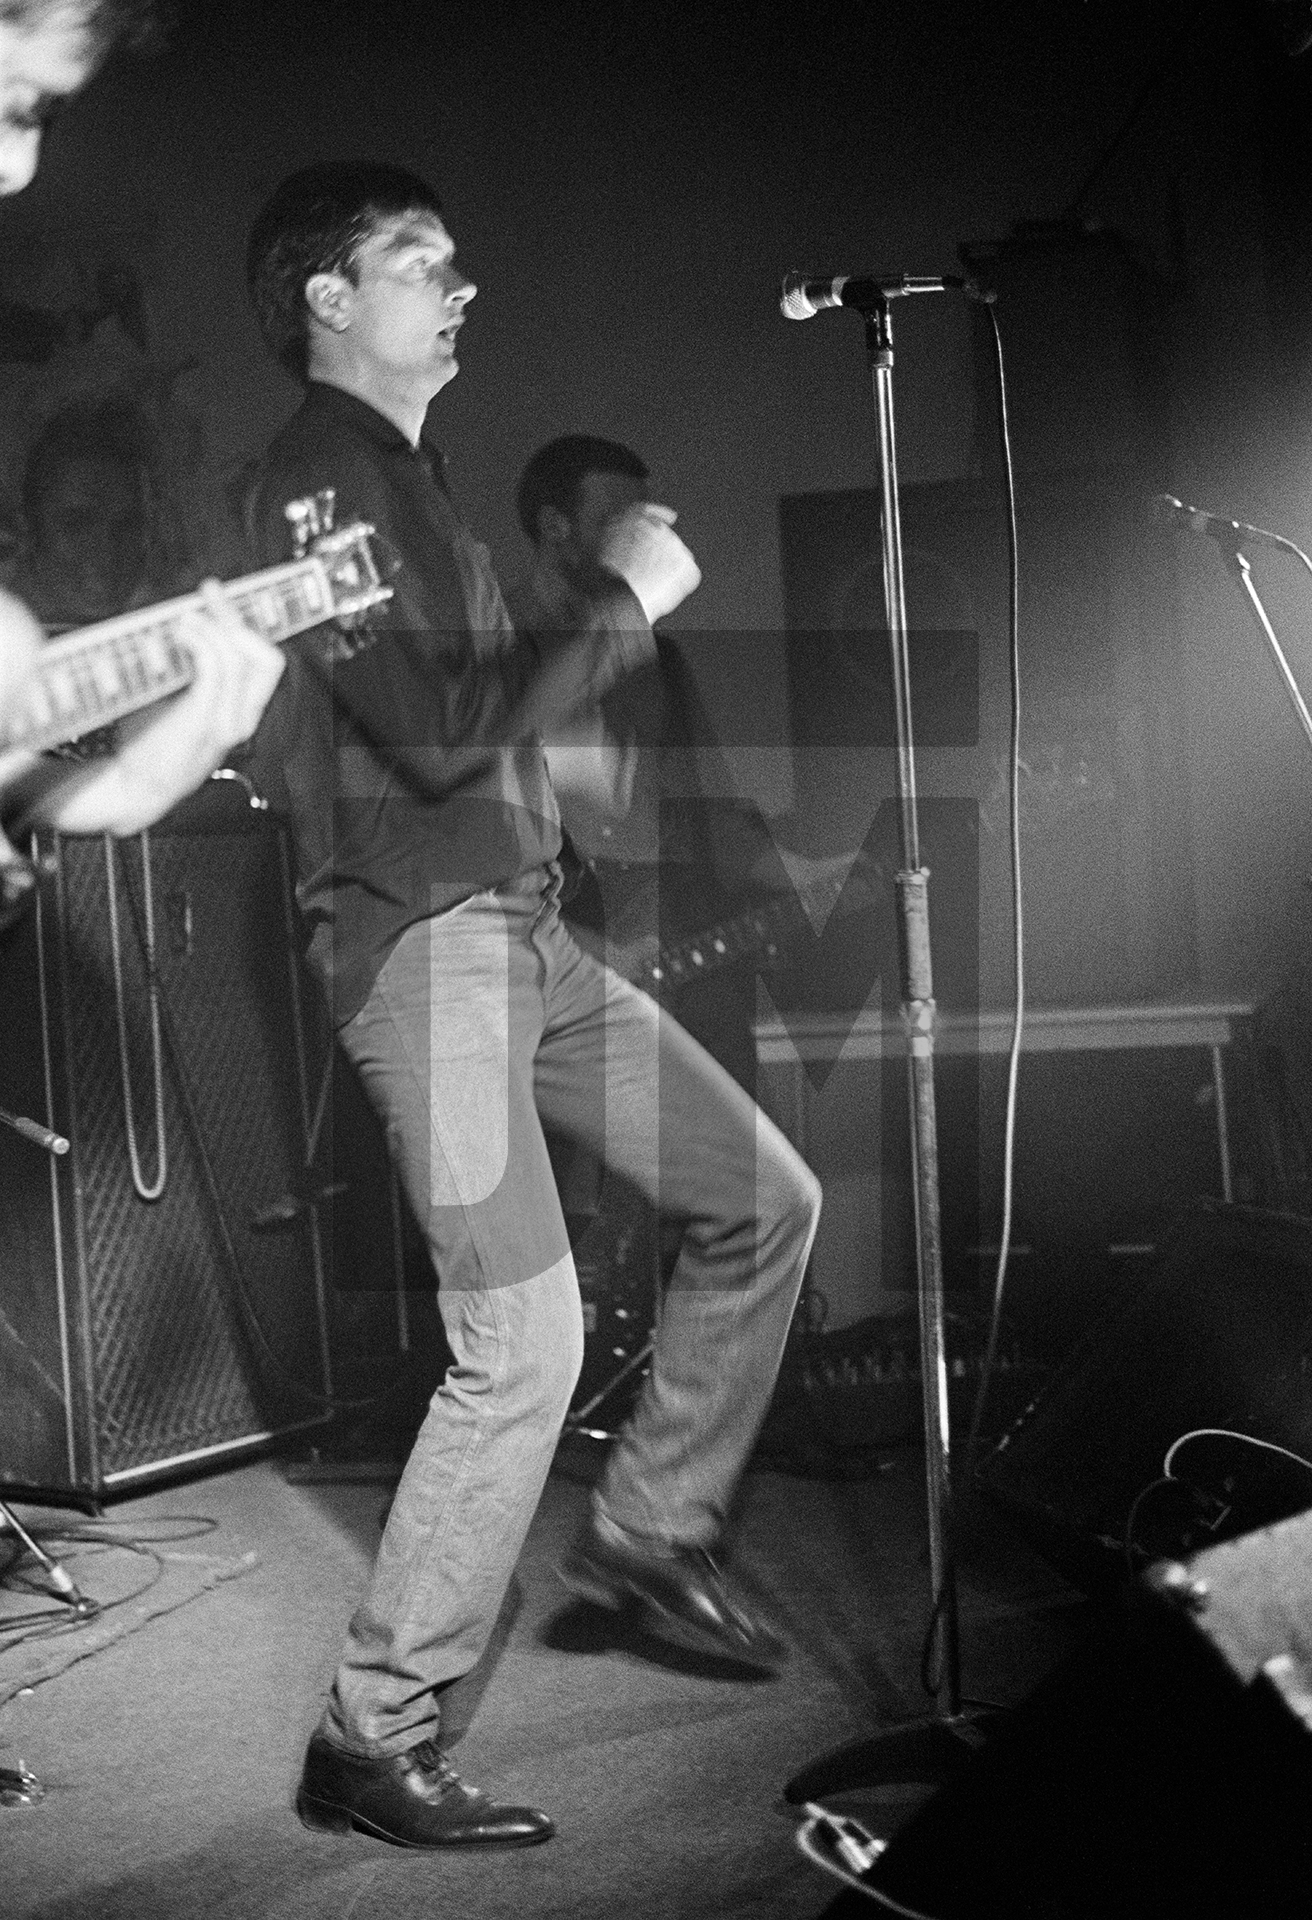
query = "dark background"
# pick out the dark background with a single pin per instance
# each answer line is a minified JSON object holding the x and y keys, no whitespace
{"x":627,"y":189}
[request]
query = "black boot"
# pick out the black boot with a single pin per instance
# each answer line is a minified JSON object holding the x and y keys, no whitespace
{"x":681,"y":1590}
{"x":414,"y":1799}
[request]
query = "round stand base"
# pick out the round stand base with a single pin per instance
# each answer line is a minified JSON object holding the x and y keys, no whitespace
{"x":928,"y":1751}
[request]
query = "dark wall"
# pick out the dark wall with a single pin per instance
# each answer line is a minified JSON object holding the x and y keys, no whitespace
{"x":627,"y":193}
{"x":627,"y":188}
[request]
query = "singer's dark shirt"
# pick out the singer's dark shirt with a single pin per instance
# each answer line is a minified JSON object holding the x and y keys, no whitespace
{"x":412,"y":772}
{"x":671,"y":854}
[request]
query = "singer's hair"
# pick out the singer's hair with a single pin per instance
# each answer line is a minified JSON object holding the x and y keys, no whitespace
{"x":316,"y":222}
{"x":555,"y":473}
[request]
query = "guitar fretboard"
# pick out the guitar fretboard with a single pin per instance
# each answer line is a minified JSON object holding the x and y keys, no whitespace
{"x":719,"y":946}
{"x":98,"y":675}
{"x":760,"y":932}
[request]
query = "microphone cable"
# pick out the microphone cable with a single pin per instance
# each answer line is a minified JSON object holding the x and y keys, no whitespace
{"x":267,"y":1356}
{"x":930,"y":1676}
{"x":1017,"y":899}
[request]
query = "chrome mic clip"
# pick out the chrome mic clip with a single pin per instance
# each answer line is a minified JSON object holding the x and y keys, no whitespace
{"x":1218,"y":526}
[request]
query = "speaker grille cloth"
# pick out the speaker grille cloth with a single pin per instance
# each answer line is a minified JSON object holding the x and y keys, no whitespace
{"x":177,"y":1367}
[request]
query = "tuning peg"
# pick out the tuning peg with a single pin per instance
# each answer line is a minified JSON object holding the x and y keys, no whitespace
{"x":303,"y":520}
{"x":326,"y":502}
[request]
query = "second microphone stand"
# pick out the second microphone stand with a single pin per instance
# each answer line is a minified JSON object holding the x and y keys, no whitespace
{"x":1228,"y":535}
{"x":929,"y":1748}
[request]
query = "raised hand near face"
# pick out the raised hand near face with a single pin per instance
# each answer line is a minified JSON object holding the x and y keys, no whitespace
{"x":641,"y":545}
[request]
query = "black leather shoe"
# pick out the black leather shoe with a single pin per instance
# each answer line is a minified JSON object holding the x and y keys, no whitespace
{"x":681,"y":1590}
{"x":414,"y":1799}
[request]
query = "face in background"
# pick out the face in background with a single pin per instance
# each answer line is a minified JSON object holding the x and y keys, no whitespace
{"x":90,"y":534}
{"x":47,"y":52}
{"x":400,"y":316}
{"x":599,"y":498}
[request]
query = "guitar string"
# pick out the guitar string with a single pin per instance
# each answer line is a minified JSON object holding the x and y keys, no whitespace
{"x":73,"y":651}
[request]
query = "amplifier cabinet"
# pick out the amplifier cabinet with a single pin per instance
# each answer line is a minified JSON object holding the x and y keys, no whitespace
{"x":150,"y":1320}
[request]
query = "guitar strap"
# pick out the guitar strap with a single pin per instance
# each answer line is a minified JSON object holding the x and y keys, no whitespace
{"x":575,"y":871}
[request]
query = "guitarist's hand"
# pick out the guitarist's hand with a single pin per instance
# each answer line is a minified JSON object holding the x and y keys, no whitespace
{"x":20,"y":636}
{"x":641,"y":545}
{"x":166,"y":752}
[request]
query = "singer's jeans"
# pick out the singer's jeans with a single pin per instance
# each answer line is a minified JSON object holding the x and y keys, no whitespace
{"x":485,"y":1022}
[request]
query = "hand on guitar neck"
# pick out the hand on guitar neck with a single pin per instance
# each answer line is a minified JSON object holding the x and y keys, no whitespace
{"x":20,"y":641}
{"x":162,"y":753}
{"x":186,"y":681}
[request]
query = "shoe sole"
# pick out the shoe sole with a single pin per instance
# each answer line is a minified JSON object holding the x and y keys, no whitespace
{"x":325,"y":1816}
{"x":619,"y":1594}
{"x":595,"y":1587}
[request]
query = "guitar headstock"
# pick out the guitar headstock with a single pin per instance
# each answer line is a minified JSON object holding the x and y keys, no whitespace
{"x":347,"y":555}
{"x":310,"y":518}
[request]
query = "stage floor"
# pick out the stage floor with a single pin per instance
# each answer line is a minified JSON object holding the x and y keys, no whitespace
{"x":168,"y":1734}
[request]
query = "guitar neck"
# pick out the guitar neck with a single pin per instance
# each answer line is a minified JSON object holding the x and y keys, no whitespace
{"x":103,"y":673}
{"x":757,"y":934}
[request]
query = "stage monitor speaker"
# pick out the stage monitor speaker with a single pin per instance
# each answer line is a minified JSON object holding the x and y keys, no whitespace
{"x":1219,"y":1335}
{"x":148,"y":1324}
{"x":1163,"y":1770}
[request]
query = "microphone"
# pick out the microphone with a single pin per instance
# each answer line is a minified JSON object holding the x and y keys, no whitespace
{"x":1165,"y":506}
{"x":33,"y":1130}
{"x":803,"y":296}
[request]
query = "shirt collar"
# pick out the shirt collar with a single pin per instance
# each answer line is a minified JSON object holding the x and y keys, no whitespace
{"x":321,"y":397}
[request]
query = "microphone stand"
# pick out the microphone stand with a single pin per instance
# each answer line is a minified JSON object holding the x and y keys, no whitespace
{"x":932,"y":1747}
{"x":1227,"y":536}
{"x":60,"y":1579}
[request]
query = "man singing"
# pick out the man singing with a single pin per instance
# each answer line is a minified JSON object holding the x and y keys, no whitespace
{"x":410,"y":763}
